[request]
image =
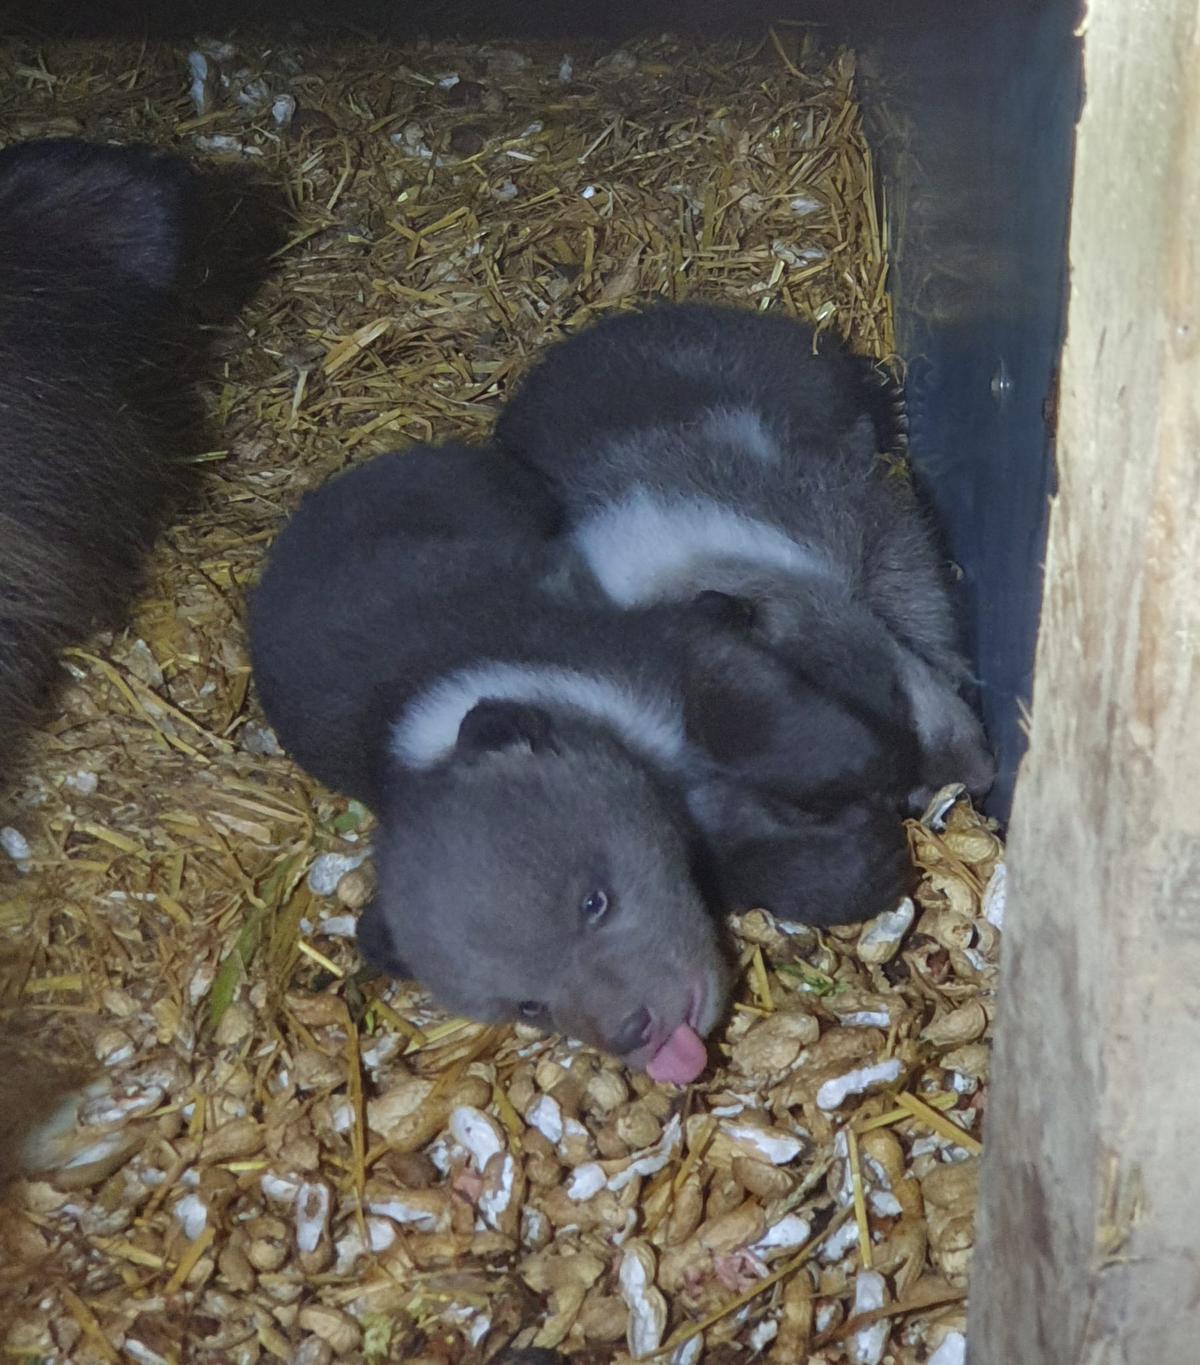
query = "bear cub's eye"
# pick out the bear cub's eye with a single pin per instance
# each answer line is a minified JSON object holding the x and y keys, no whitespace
{"x":531,"y":1009}
{"x":594,"y":906}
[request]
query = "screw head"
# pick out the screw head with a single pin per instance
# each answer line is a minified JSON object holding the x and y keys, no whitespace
{"x":1002,"y":384}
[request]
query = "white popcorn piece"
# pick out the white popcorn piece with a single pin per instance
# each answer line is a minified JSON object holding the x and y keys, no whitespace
{"x":789,"y":1232}
{"x":586,"y":1180}
{"x":995,"y":897}
{"x":494,"y":1202}
{"x":865,"y":1019}
{"x":763,"y":1334}
{"x":952,"y":1351}
{"x":768,"y":1143}
{"x":423,"y":1219}
{"x":545,"y":1114}
{"x":192,"y":1215}
{"x":313,"y":1202}
{"x":14,"y":843}
{"x":689,"y":1352}
{"x":143,"y":1354}
{"x":337,"y":926}
{"x":534,"y":1225}
{"x":329,"y":868}
{"x":647,"y":1307}
{"x":835,"y":1246}
{"x":280,"y":1189}
{"x":867,"y":1345}
{"x":884,"y":1204}
{"x":283,"y":110}
{"x":198,"y":67}
{"x":834,"y":1092}
{"x":941,"y":804}
{"x":479,"y":1133}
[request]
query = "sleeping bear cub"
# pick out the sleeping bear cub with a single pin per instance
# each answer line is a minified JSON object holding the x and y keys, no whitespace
{"x":702,"y":450}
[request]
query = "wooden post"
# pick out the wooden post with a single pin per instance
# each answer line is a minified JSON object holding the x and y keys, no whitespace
{"x":1089,"y":1234}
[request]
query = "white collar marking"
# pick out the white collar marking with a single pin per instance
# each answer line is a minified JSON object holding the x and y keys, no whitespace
{"x":428,"y":728}
{"x":642,"y":546}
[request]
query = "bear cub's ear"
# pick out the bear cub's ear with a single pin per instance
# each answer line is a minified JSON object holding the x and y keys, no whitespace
{"x":726,"y":609}
{"x":492,"y":726}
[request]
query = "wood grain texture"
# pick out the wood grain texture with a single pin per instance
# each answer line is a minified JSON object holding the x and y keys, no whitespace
{"x":1089,"y":1233}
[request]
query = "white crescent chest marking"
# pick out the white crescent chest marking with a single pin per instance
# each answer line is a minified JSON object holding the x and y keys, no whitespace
{"x":428,"y":728}
{"x":642,"y":546}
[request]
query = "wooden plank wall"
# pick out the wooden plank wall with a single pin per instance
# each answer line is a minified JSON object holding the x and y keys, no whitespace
{"x":1089,"y":1239}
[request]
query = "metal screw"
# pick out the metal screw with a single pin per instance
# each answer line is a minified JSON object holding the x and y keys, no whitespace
{"x":1002,"y":385}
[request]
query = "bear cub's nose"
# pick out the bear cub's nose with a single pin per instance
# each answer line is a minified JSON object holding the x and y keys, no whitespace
{"x":631,"y":1033}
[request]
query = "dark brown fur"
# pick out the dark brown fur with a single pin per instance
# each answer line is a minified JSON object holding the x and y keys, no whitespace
{"x":106,"y":266}
{"x":113,"y":264}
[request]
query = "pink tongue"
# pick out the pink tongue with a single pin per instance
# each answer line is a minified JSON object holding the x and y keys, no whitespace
{"x":680,"y":1059}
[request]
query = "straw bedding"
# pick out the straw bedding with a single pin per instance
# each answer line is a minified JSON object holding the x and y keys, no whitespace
{"x":277,"y":1160}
